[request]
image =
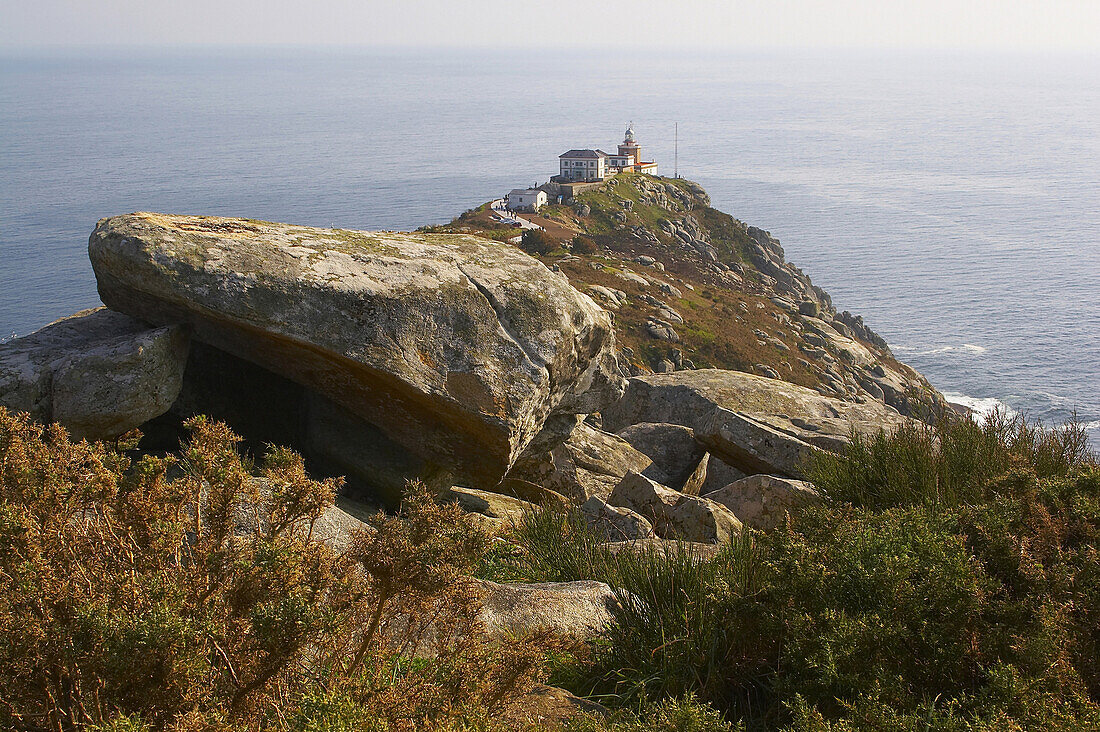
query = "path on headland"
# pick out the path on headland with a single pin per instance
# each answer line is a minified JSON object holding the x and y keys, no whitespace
{"x":501,"y":213}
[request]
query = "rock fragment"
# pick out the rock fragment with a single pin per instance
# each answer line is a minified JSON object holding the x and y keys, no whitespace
{"x":98,"y":373}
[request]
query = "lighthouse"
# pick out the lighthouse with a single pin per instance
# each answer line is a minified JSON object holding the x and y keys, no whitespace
{"x":629,"y":146}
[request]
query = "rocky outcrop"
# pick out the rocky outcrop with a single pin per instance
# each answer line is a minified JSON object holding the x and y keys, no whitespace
{"x":589,"y":463}
{"x":578,"y":609}
{"x":685,"y":278}
{"x":494,"y":511}
{"x":673,"y":514}
{"x":671,"y":447}
{"x":761,"y":501}
{"x":98,"y":373}
{"x":754,"y":446}
{"x":754,"y":424}
{"x":459,"y":349}
{"x":615,"y":523}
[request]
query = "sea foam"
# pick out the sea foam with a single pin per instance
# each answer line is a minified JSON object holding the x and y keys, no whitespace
{"x":981,"y":407}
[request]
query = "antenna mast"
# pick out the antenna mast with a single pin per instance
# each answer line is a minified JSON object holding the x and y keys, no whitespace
{"x":676,"y":154}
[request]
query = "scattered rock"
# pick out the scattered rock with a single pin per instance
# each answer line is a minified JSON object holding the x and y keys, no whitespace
{"x":671,"y":447}
{"x":664,"y":366}
{"x":337,"y":526}
{"x":637,"y":279}
{"x":759,"y":411}
{"x":670,"y":290}
{"x":668,"y":314}
{"x":810,"y":308}
{"x":590,"y":463}
{"x":98,"y":373}
{"x":673,"y":514}
{"x":719,"y":475}
{"x":768,"y":371}
{"x":694,"y":484}
{"x":613,"y":299}
{"x":661,"y":330}
{"x":761,"y":501}
{"x":754,"y":446}
{"x":579,"y":609}
{"x":507,"y":509}
{"x":663,"y":547}
{"x":615,"y":523}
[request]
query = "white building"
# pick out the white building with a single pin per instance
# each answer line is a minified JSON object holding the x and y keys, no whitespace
{"x":583,"y":165}
{"x":525,"y":199}
{"x":596,"y":165}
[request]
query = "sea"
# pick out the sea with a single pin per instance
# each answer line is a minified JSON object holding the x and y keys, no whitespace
{"x":951,"y":199}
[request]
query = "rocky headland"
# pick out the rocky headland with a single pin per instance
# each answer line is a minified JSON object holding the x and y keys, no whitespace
{"x":623,"y":453}
{"x":654,"y":354}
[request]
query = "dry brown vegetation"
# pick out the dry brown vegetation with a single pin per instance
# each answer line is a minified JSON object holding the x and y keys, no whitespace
{"x":183,"y":594}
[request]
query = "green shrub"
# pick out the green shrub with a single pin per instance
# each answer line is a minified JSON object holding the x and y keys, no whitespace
{"x":584,"y":245}
{"x":961,"y":591}
{"x":537,"y":241}
{"x":957,"y":461}
{"x":686,"y":625}
{"x":671,"y":715}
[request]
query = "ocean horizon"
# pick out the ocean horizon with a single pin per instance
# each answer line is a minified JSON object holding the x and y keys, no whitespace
{"x":953,"y":200}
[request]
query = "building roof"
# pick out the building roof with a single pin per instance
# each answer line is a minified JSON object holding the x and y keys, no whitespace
{"x":583,"y":154}
{"x":525,"y":192}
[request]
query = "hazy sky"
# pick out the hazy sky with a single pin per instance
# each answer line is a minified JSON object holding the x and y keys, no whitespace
{"x":713,"y":24}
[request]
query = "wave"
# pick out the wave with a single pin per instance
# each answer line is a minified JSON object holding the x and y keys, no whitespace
{"x":968,"y":348}
{"x":981,"y":407}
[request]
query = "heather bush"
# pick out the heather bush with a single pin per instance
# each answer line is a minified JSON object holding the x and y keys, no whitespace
{"x":686,"y":714}
{"x":537,"y":241}
{"x":584,"y":245}
{"x":956,"y":461}
{"x":185,"y":593}
{"x":951,"y":581}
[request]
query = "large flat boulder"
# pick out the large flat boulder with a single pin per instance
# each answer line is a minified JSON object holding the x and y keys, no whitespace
{"x":753,"y":445}
{"x":98,"y":373}
{"x":458,"y":348}
{"x":752,"y":423}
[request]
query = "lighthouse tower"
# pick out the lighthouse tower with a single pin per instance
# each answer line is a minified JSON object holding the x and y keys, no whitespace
{"x":629,"y":147}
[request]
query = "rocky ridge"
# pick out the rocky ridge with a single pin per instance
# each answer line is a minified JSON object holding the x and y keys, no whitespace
{"x":692,"y":287}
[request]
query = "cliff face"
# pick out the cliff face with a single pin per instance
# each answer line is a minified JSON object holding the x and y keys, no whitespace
{"x":693,"y":287}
